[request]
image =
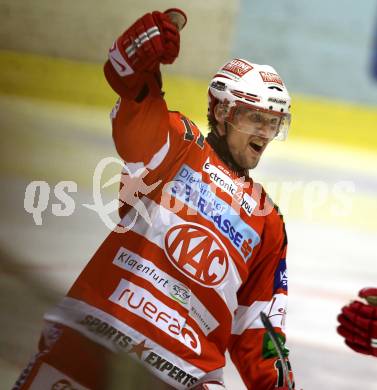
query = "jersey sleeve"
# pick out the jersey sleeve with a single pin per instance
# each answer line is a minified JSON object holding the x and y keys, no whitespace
{"x":148,"y":137}
{"x":265,"y":290}
{"x":141,"y":131}
{"x":146,"y":134}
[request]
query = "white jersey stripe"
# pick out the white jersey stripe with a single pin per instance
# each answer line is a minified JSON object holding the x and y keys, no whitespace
{"x":162,"y":220}
{"x":155,"y":312}
{"x":158,"y":157}
{"x":169,"y":286}
{"x":72,"y":313}
{"x":247,"y":317}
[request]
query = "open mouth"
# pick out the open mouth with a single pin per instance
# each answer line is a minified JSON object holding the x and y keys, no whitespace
{"x":258,"y":148}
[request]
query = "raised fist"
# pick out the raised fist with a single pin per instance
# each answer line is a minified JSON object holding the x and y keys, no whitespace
{"x":358,"y":323}
{"x":151,"y":40}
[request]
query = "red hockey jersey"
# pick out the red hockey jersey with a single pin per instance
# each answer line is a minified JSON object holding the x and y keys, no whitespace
{"x":198,"y":254}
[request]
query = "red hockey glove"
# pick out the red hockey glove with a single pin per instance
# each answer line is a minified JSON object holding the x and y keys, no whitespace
{"x":358,"y":324}
{"x":151,"y":40}
{"x":133,"y":66}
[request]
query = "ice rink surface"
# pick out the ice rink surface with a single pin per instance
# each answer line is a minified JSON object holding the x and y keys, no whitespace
{"x":330,"y":214}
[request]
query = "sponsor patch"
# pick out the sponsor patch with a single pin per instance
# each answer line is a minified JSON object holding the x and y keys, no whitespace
{"x":218,"y":85}
{"x":104,"y":330}
{"x":189,"y":188}
{"x":281,"y":276}
{"x":180,"y":293}
{"x":165,"y":366}
{"x":234,"y":188}
{"x":269,"y":77}
{"x":277,"y":310}
{"x":130,"y":261}
{"x":171,"y":287}
{"x":142,"y":350}
{"x":142,"y":303}
{"x":108,"y":331}
{"x":277,"y":101}
{"x":248,"y":317}
{"x":237,"y":67}
{"x":268,"y":349}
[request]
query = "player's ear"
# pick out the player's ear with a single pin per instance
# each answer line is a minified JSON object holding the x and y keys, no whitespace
{"x":220,"y":114}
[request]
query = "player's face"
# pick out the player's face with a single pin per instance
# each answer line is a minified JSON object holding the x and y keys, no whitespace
{"x":248,"y":134}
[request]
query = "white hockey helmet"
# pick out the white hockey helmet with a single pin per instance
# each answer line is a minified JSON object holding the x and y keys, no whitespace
{"x":259,"y":87}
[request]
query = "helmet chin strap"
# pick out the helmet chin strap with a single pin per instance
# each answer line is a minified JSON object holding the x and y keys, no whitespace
{"x":220,"y":146}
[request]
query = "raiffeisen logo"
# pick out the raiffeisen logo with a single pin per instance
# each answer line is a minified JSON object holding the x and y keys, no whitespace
{"x":231,"y":187}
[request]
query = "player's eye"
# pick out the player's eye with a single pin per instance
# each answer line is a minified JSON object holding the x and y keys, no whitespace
{"x":255,"y":117}
{"x":274,"y":124}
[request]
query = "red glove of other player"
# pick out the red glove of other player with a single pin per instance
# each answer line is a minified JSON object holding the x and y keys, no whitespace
{"x":358,"y":324}
{"x":151,"y":40}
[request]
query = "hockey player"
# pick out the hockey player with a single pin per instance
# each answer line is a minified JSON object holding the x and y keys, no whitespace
{"x":180,"y":288}
{"x":358,"y":323}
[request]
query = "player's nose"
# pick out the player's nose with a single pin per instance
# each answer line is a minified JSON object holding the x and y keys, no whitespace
{"x":263,"y":130}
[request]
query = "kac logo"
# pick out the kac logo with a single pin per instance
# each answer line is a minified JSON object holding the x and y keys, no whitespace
{"x":198,"y":253}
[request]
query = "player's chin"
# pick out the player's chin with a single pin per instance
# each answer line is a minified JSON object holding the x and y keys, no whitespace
{"x":247,"y":158}
{"x":253,"y":164}
{"x":251,"y":160}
